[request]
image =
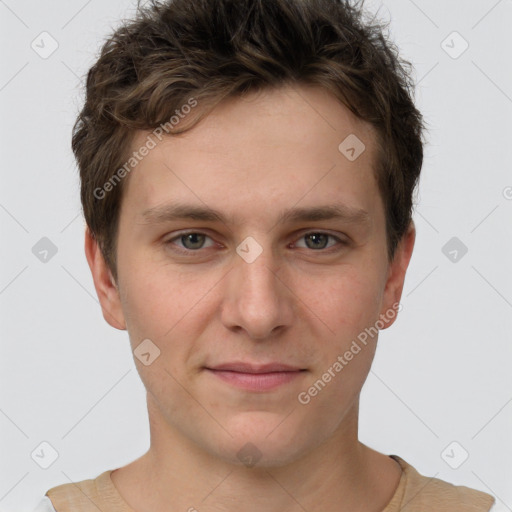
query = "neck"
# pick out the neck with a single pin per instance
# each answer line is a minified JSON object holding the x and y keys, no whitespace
{"x":176,"y":474}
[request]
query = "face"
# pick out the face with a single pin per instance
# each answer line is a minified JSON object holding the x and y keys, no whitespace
{"x":255,"y":308}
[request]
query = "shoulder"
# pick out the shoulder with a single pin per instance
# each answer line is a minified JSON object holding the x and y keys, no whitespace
{"x":423,"y":494}
{"x":83,"y":496}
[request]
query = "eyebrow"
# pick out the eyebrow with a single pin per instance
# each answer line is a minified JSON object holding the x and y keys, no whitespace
{"x":180,"y":211}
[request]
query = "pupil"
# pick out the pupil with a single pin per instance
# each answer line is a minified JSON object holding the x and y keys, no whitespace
{"x":191,"y":237}
{"x":316,"y":236}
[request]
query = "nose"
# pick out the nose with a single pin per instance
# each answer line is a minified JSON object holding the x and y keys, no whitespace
{"x":256,"y":298}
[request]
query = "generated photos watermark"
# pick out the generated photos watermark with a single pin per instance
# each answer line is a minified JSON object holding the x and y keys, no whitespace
{"x":304,"y":397}
{"x":151,"y":142}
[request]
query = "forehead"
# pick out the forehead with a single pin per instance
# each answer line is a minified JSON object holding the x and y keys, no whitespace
{"x":260,"y":153}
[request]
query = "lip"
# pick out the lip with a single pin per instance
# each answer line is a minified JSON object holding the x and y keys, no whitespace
{"x":243,"y":367}
{"x":256,"y":377}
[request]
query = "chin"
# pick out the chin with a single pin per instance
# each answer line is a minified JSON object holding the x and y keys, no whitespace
{"x":264,"y":440}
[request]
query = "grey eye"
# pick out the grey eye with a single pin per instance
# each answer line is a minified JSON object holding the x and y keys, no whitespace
{"x":193,"y":240}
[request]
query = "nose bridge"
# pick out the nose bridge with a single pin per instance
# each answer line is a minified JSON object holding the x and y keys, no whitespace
{"x":256,"y":269}
{"x":258,"y":277}
{"x":257,"y":299}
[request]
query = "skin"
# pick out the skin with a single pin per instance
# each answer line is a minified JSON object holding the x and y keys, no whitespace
{"x":297,"y":303}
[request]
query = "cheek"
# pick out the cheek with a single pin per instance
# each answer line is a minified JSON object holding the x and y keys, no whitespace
{"x":157,"y":298}
{"x":144,"y":307}
{"x":349,"y":307}
{"x":347,"y":303}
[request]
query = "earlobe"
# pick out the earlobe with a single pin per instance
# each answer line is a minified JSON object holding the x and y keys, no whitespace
{"x":396,"y":276}
{"x":104,"y":283}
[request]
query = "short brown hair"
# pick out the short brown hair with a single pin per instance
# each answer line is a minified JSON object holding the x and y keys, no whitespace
{"x":210,"y":50}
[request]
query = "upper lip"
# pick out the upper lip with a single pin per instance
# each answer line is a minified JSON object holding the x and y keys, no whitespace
{"x":242,"y":367}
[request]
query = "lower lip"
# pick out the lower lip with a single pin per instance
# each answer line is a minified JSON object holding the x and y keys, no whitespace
{"x":256,"y":381}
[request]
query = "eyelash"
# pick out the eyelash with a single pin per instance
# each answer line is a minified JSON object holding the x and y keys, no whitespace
{"x":189,"y":252}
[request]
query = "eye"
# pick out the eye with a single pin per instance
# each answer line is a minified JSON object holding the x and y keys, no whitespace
{"x":191,"y":241}
{"x":318,"y":240}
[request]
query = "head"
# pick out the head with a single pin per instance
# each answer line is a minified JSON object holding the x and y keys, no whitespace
{"x":251,"y":109}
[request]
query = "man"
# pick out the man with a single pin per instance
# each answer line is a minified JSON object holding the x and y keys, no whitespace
{"x":247,"y":174}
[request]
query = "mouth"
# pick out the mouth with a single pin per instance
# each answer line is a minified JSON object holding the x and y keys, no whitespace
{"x":256,"y":377}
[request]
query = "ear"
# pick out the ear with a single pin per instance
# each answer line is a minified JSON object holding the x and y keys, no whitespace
{"x":106,"y":288}
{"x":396,"y":276}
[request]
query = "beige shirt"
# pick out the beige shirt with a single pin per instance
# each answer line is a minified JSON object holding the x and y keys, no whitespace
{"x":415,"y":493}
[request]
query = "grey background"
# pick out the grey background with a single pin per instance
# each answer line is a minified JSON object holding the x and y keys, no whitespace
{"x":442,"y":372}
